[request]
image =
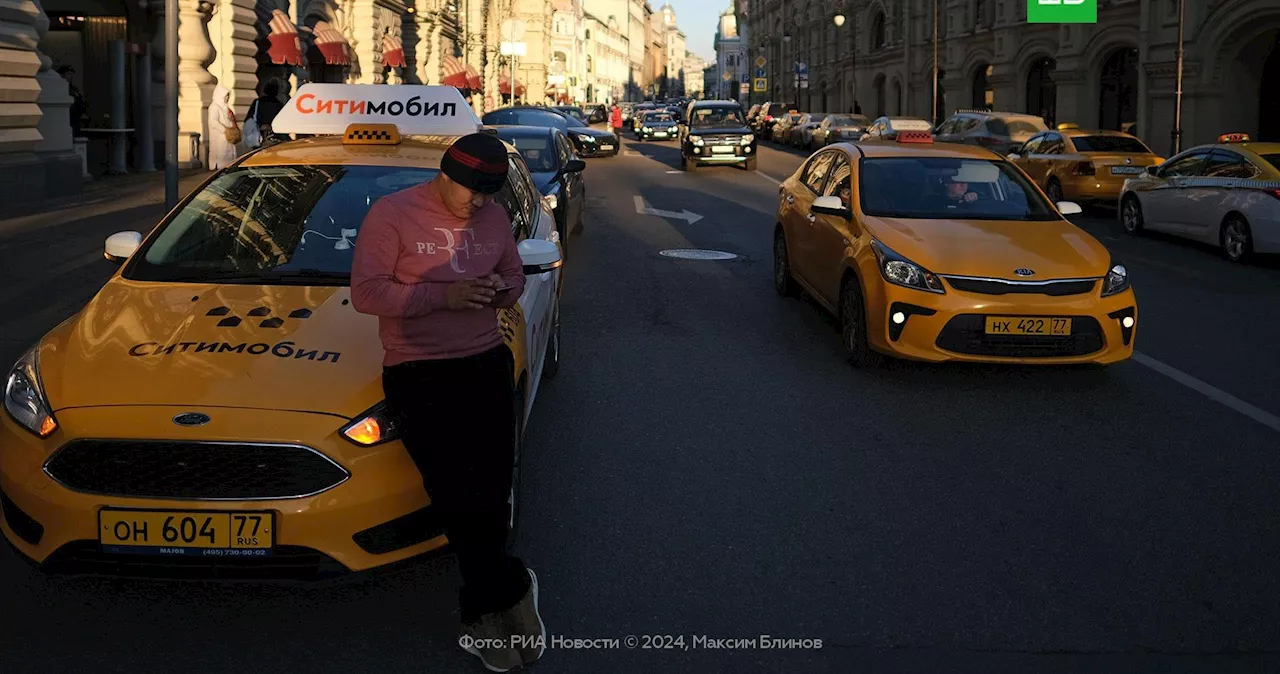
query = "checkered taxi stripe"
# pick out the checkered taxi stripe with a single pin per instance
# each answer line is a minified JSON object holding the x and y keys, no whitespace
{"x":1243,"y":183}
{"x":508,"y":322}
{"x":372,"y":135}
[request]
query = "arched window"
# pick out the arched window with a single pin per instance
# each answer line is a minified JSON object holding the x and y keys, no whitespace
{"x":984,"y":96}
{"x":878,"y":35}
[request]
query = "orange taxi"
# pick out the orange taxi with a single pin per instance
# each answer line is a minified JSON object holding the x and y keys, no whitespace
{"x":1083,"y":166}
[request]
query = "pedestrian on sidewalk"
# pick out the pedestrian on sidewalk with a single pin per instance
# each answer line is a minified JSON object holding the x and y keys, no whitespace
{"x":615,"y":121}
{"x":224,"y":132}
{"x":448,"y":375}
{"x":262,"y":112}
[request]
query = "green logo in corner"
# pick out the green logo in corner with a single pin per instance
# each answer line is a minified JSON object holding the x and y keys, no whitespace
{"x":1062,"y":11}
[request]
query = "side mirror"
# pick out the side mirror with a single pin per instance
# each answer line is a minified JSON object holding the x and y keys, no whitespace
{"x":575,"y":166}
{"x":121,"y":245}
{"x":1153,"y":170}
{"x":551,"y":202}
{"x":831,"y":206}
{"x":539,"y":256}
{"x":1069,"y":208}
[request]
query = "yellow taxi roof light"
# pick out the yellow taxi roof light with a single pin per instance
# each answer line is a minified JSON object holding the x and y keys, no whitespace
{"x":1066,"y":126}
{"x":915,"y":137}
{"x":371,"y":134}
{"x":1233,"y":138}
{"x":412,"y":110}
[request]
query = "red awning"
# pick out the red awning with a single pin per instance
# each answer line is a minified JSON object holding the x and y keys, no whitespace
{"x":392,"y":52}
{"x":504,"y":86}
{"x":331,"y":44}
{"x":455,"y":74}
{"x":473,"y":78}
{"x":285,"y":47}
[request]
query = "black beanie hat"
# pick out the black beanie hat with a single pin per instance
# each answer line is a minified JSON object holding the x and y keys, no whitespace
{"x":478,"y":162}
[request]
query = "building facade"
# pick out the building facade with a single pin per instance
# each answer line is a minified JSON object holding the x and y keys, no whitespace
{"x":1119,"y":73}
{"x":695,"y":68}
{"x":565,"y":78}
{"x":674,"y":41}
{"x":608,"y":60}
{"x":731,"y":58}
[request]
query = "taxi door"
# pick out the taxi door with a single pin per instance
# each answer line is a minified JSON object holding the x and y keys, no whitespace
{"x":1026,"y":159}
{"x":799,"y":224}
{"x":832,"y":235}
{"x":538,"y":301}
{"x":1209,"y":198}
{"x":1166,"y":198}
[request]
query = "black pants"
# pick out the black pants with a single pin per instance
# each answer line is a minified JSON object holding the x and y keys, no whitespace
{"x":457,"y":418}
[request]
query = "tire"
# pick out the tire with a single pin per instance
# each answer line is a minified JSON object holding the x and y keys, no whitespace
{"x":551,"y":366}
{"x":690,"y":165}
{"x":1131,"y":215}
{"x":1236,"y":238}
{"x":783,"y":282}
{"x":1054,"y":191}
{"x":751,"y":163}
{"x":853,"y":327}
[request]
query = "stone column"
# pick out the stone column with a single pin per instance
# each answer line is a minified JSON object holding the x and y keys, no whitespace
{"x":155,"y":9}
{"x":63,"y":168}
{"x":235,"y":66}
{"x":21,"y":174}
{"x":427,"y":50}
{"x":195,"y":82}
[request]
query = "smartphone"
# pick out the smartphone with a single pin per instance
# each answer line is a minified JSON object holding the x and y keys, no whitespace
{"x":503,"y":288}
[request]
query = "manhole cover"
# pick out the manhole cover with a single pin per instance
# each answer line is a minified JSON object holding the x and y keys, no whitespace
{"x":698,"y":254}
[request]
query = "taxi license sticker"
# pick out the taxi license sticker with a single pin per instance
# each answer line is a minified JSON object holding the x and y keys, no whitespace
{"x":1027,"y":325}
{"x":187,"y":532}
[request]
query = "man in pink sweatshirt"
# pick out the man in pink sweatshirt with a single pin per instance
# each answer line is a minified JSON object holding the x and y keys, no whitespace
{"x":434,"y":263}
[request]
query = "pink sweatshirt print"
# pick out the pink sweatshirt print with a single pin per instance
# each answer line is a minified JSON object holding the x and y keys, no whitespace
{"x":409,"y":249}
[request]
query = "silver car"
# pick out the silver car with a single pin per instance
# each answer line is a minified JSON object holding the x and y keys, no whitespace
{"x":839,"y":128}
{"x":887,"y":128}
{"x":1001,"y":132}
{"x":1226,"y":195}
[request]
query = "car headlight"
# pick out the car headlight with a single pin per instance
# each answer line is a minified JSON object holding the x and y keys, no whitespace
{"x":1117,"y":280}
{"x":697,"y":140}
{"x":748,"y":139}
{"x":374,"y":427}
{"x":585,"y":138}
{"x":900,"y":271}
{"x":24,"y":397}
{"x":646,"y":129}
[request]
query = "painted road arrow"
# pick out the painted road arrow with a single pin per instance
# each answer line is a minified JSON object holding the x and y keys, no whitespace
{"x":687,"y":215}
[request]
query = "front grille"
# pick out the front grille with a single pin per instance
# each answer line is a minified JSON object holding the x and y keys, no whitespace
{"x":996,"y":287}
{"x":22,"y":524}
{"x":190,"y":470}
{"x":966,"y":334}
{"x":417,"y":527}
{"x":285,"y":563}
{"x":722,"y":140}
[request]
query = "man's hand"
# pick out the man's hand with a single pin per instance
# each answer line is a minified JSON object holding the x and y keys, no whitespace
{"x":470,"y":294}
{"x":970,"y":197}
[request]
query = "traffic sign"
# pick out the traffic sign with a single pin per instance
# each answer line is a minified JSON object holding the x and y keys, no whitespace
{"x":746,"y":88}
{"x":761,"y":73}
{"x":802,"y":68}
{"x":760,"y":61}
{"x":728,"y":77}
{"x":761,"y":85}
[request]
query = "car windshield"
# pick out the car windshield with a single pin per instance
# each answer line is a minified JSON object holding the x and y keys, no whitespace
{"x":277,"y":224}
{"x":574,"y":112}
{"x":707,"y":118}
{"x":656,"y":117}
{"x":949,"y":188}
{"x":1273,"y":159}
{"x":816,"y":117}
{"x":1110,"y":144}
{"x":849,"y":120}
{"x":536,"y":151}
{"x":527,"y":117}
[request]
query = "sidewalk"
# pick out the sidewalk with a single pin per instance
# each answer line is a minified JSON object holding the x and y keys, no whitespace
{"x":102,"y":191}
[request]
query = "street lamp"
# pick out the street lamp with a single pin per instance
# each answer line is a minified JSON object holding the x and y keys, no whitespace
{"x":838,"y":19}
{"x":1177,"y":110}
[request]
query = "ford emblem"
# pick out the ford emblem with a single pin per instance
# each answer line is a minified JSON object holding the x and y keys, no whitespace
{"x":191,"y":419}
{"x":1023,"y":271}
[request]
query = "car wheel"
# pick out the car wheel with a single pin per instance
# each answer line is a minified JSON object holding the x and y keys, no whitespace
{"x":1236,"y":239}
{"x":750,"y":164}
{"x":1131,"y":215}
{"x":552,"y":364}
{"x":1054,"y":191}
{"x":782,"y":281}
{"x":853,"y":327}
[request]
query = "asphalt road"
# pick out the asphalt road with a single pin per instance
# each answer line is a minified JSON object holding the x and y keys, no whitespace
{"x":706,"y":464}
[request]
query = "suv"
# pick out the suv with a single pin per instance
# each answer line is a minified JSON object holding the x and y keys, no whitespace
{"x":1002,"y":132}
{"x":716,"y":132}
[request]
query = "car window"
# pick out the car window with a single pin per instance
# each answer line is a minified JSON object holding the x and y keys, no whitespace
{"x":949,"y":188}
{"x":276,"y":219}
{"x":706,"y":118}
{"x":816,"y":172}
{"x":1224,"y":164}
{"x":566,"y":149}
{"x":1187,"y":165}
{"x":840,"y":184}
{"x":537,"y":152}
{"x":525,"y":117}
{"x":655,"y":117}
{"x":970,"y":124}
{"x":1122,"y":144}
{"x":946,"y":127}
{"x":1052,"y":144}
{"x":1020,"y":126}
{"x":816,"y":118}
{"x":527,"y":195}
{"x":1032,"y":146}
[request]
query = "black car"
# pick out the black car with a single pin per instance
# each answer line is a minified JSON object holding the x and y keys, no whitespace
{"x":556,"y":170}
{"x":587,"y":141}
{"x":717,"y":133}
{"x":571,"y":111}
{"x":658,"y":124}
{"x":597,"y":114}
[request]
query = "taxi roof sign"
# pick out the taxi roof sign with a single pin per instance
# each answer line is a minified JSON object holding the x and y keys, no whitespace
{"x":1233,"y":138}
{"x":415,"y":110}
{"x":914,"y":136}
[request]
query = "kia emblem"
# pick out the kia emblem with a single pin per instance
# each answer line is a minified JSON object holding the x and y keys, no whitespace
{"x":191,"y":419}
{"x":1023,"y":271}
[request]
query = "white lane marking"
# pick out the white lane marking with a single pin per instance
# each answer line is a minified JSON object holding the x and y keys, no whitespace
{"x":675,"y":171}
{"x":686,"y":215}
{"x":1209,"y":391}
{"x":775,"y":182}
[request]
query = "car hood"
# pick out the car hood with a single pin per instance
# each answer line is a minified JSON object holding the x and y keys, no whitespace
{"x":545,"y":180}
{"x":293,"y":348}
{"x":1053,"y":249}
{"x":594,"y":133}
{"x":719,"y":130}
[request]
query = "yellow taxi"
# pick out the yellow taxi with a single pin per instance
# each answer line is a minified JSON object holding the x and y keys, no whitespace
{"x":1083,"y":166}
{"x":947,"y":252}
{"x":217,"y":408}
